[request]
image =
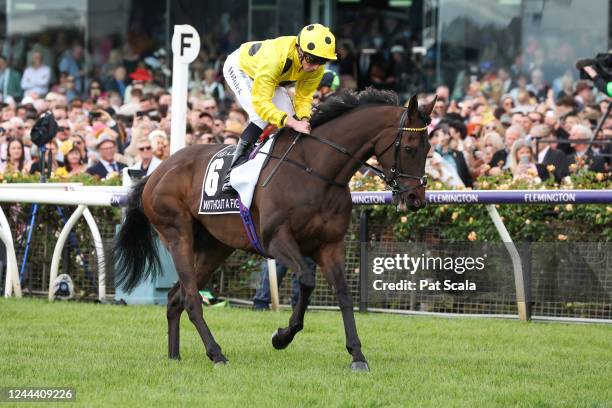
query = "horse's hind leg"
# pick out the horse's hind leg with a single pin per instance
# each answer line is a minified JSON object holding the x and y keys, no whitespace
{"x":176,"y":230}
{"x":331,"y":259}
{"x":173,"y":313}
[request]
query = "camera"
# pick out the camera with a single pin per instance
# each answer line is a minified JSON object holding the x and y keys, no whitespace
{"x":44,"y":129}
{"x":602,"y":64}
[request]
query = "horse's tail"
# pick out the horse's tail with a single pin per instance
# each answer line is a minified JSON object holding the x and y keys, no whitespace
{"x":135,"y":252}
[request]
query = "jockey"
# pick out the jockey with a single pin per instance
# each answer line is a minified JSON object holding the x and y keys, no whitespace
{"x":258,"y":73}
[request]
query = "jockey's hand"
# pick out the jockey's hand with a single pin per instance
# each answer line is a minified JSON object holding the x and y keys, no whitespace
{"x":302,"y":126}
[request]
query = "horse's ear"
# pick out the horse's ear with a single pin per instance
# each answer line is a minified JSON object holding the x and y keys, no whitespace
{"x":412,"y":105}
{"x":427,"y":109}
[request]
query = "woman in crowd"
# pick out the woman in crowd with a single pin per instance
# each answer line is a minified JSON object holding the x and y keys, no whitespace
{"x":522,"y":160}
{"x":74,"y":161}
{"x":15,"y":158}
{"x":160,"y":144}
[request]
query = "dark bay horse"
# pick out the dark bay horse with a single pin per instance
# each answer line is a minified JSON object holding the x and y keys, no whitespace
{"x":299,"y":213}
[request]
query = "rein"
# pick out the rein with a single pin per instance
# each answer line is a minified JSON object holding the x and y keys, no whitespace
{"x":389,"y":181}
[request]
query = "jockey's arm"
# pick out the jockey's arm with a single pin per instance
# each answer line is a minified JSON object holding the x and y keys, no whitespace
{"x":264,"y":86}
{"x":304,"y":92}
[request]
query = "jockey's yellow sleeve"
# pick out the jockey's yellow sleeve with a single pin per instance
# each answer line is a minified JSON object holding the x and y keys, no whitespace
{"x":274,"y":63}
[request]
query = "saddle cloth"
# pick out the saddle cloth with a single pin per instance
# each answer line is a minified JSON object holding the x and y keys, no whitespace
{"x":244,"y":179}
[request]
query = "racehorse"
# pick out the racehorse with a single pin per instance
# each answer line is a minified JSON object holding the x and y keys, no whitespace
{"x":305,"y":210}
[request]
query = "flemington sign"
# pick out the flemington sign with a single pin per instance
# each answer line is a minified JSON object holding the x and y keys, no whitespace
{"x":494,"y":197}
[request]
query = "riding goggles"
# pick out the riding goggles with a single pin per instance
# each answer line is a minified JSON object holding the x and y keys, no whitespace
{"x":313,"y":59}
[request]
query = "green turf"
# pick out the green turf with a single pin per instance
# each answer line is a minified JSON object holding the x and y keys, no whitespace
{"x":116,"y":356}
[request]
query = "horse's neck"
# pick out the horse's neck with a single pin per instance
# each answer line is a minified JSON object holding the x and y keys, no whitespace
{"x":355,"y":132}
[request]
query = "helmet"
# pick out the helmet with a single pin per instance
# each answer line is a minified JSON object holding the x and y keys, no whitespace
{"x":317,"y":40}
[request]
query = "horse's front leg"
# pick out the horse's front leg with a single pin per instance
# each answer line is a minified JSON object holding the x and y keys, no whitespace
{"x":331,"y":259}
{"x":284,"y":248}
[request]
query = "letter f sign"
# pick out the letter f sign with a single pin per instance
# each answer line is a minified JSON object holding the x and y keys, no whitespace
{"x":185,"y":43}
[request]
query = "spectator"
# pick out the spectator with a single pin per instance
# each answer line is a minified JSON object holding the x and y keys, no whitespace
{"x":583,"y":155}
{"x":549,"y":159}
{"x":205,"y":137}
{"x":117,"y":83}
{"x":537,"y":86}
{"x":36,"y":77}
{"x":79,"y":142}
{"x":238,"y":115}
{"x":583,"y":95}
{"x":74,"y":162}
{"x":147,"y":162}
{"x":262,"y":298}
{"x":437,"y":167}
{"x":10,"y":81}
{"x":211,"y":87}
{"x":328,"y":86}
{"x":522,"y":163}
{"x":107,"y":148}
{"x":71,"y":63}
{"x":453,"y":157}
{"x":500,"y":158}
{"x":160,"y":144}
{"x":232,"y":130}
{"x":15,"y":160}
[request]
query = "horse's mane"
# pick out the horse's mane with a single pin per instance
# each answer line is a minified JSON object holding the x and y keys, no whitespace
{"x":346,"y":100}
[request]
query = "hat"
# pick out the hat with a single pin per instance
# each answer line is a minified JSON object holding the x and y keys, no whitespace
{"x":27,"y":99}
{"x":234,"y":127}
{"x":105,"y":138}
{"x":67,"y":146}
{"x":98,"y":128}
{"x":157,"y":133}
{"x":141,"y":74}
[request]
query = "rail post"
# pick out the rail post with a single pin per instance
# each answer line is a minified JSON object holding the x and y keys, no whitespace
{"x":363,"y":260}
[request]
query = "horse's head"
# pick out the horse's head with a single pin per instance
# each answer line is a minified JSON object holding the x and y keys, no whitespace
{"x":402,"y":153}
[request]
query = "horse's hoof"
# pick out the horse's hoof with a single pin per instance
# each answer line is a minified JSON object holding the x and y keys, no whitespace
{"x":277,"y":343}
{"x":361,"y":366}
{"x":221,"y":363}
{"x":177,"y":357}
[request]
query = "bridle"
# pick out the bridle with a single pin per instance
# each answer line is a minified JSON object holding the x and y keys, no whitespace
{"x":395,"y":175}
{"x":397,"y":143}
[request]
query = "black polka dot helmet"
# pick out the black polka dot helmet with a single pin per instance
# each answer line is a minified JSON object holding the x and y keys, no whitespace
{"x":317,"y":40}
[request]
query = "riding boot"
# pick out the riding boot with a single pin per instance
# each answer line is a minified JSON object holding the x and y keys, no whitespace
{"x":243,"y":151}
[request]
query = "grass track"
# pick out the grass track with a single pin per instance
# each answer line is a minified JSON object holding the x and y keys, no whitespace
{"x":116,"y":356}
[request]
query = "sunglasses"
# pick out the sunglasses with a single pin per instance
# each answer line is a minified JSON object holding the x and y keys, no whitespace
{"x":313,"y":59}
{"x":77,"y":143}
{"x":144,"y":149}
{"x":61,"y":129}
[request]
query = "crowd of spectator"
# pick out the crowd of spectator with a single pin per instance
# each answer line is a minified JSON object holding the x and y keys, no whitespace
{"x":104,"y":124}
{"x":504,"y":121}
{"x":529,"y":132}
